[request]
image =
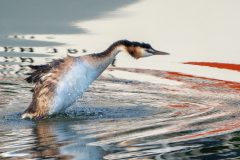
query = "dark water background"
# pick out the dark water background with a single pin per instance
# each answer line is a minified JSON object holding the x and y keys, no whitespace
{"x":129,"y":112}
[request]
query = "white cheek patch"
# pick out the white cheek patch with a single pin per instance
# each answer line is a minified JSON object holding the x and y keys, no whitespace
{"x":145,"y":53}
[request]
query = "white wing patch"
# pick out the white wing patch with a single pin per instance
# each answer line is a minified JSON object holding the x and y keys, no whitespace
{"x":47,"y":75}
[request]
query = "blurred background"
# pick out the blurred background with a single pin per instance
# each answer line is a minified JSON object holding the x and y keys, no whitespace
{"x":181,"y":106}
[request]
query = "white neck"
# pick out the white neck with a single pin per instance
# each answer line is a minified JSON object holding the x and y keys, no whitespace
{"x":104,"y":62}
{"x":97,"y":63}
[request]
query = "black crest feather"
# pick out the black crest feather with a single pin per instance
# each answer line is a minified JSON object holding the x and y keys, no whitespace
{"x":130,"y":43}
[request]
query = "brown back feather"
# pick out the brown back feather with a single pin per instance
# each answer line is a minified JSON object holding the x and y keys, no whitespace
{"x":44,"y":89}
{"x":42,"y":70}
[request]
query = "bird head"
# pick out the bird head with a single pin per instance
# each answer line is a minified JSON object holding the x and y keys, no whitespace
{"x":139,"y":50}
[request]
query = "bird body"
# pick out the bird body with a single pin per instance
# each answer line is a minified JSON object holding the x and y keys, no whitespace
{"x":62,"y":82}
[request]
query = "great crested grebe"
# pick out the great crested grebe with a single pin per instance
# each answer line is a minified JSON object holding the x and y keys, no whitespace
{"x":62,"y":82}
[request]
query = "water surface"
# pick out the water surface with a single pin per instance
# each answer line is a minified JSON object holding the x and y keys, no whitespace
{"x":182,"y":106}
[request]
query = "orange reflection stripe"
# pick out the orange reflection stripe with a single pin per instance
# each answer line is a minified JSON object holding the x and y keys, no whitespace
{"x":235,"y":67}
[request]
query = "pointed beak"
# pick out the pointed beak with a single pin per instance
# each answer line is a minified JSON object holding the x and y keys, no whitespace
{"x":155,"y":52}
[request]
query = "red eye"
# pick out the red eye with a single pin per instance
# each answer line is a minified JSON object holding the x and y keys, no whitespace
{"x":148,"y":50}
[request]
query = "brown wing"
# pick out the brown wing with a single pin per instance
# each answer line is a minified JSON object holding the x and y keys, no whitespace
{"x":46,"y":78}
{"x":42,"y":70}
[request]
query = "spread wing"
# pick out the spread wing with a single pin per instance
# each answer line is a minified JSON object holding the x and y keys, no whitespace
{"x":42,"y":70}
{"x":46,"y":77}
